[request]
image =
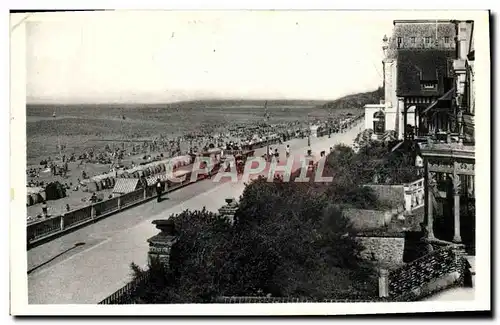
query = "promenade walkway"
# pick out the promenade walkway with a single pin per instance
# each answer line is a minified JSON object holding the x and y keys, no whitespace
{"x":64,"y":274}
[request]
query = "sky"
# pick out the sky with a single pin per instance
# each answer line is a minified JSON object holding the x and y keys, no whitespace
{"x":172,"y":56}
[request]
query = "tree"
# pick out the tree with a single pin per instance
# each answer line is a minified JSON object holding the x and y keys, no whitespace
{"x":289,"y":239}
{"x":195,"y":259}
{"x":299,"y":236}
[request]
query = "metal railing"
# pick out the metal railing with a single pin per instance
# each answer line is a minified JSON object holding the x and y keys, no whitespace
{"x":52,"y":227}
{"x":125,"y":295}
{"x":414,"y":195}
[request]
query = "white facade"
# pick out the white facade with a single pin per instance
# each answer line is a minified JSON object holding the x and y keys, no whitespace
{"x":370,"y":110}
{"x":390,"y":97}
{"x":391,"y":107}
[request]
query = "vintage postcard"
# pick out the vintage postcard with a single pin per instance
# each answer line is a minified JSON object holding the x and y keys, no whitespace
{"x":250,"y":162}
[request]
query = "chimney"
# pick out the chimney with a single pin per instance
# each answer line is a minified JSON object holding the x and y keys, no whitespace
{"x":228,"y":211}
{"x":161,"y":244}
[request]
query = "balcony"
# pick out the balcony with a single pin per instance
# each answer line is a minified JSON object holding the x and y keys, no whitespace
{"x":452,"y":149}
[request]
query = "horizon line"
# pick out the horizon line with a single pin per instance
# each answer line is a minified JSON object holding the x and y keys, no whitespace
{"x":207,"y":99}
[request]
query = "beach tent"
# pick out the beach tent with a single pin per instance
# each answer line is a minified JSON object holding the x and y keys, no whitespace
{"x":35,"y":195}
{"x":29,"y":200}
{"x":126,"y":185}
{"x":91,"y":185}
{"x":54,"y":191}
{"x":151,"y":180}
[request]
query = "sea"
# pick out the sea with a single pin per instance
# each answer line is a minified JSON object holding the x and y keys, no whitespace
{"x":77,"y":127}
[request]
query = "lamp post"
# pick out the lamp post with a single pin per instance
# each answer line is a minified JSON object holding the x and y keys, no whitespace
{"x":330,"y":120}
{"x":266,"y":119}
{"x":308,"y":131}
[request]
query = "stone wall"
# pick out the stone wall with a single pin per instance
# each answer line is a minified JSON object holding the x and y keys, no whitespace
{"x":386,"y":250}
{"x":362,"y":219}
{"x":412,"y":277}
{"x":392,"y":194}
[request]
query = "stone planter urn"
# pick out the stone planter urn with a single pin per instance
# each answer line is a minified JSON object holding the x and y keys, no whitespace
{"x":167,"y":227}
{"x":161,"y":244}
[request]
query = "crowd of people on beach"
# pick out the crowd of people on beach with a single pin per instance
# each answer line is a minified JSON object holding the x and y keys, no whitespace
{"x":142,"y":151}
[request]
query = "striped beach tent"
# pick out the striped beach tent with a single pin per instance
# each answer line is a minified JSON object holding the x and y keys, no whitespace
{"x":35,"y":195}
{"x":29,"y":200}
{"x":151,"y":180}
{"x":35,"y":198}
{"x":126,"y":185}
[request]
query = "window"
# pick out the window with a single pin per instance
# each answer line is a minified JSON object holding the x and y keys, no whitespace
{"x":379,"y":122}
{"x":446,"y":40}
{"x":427,"y":40}
{"x":413,"y":40}
{"x":400,"y":41}
{"x":429,"y":85}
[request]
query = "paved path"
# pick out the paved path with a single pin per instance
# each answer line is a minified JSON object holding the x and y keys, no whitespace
{"x":455,"y":294}
{"x":90,"y":272}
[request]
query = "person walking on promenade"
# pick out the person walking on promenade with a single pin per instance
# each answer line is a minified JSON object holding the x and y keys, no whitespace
{"x":159,"y":189}
{"x":44,"y":209}
{"x":287,"y":150}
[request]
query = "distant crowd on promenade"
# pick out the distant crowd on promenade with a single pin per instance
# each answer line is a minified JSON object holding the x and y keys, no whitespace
{"x":161,"y":147}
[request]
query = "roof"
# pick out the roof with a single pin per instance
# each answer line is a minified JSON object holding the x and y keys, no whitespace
{"x":416,"y":65}
{"x":446,"y":97}
{"x":471,"y":56}
{"x":34,"y":190}
{"x":126,"y":185}
{"x":422,"y":21}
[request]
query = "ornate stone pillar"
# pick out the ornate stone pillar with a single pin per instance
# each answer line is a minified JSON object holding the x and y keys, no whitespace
{"x":405,"y":121}
{"x":431,"y":187}
{"x":456,"y":207}
{"x":399,"y":118}
{"x":460,"y":122}
{"x":161,"y":244}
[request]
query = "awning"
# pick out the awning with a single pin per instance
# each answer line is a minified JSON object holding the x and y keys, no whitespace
{"x":447,"y":96}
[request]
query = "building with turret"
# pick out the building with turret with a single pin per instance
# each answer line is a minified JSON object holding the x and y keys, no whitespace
{"x":417,"y":70}
{"x":429,"y":100}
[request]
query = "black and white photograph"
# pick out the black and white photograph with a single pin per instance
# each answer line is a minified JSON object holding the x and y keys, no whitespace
{"x":267,"y":160}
